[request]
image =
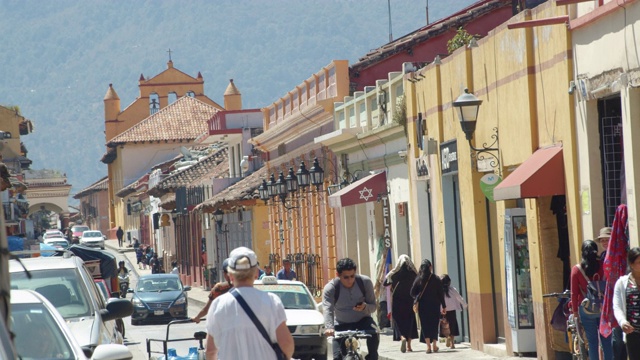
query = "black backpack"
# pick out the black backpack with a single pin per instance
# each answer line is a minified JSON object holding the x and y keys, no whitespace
{"x":336,"y":286}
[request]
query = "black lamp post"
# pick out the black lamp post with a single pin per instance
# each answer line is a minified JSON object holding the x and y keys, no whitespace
{"x":291,"y":181}
{"x":217,"y":216}
{"x":263,"y":191}
{"x":303,"y":176}
{"x":316,"y":174}
{"x":468,"y":106}
{"x":271,"y":186}
{"x":281,"y":187}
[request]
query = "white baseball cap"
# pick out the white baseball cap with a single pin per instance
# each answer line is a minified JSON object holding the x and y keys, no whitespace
{"x":239,"y":253}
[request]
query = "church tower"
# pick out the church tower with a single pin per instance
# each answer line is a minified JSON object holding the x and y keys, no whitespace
{"x":111,"y":111}
{"x":232,"y":97}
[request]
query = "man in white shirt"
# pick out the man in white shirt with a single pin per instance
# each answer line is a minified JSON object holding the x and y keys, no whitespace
{"x":233,"y":335}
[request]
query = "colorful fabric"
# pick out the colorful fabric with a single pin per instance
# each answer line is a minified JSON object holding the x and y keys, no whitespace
{"x":615,"y":265}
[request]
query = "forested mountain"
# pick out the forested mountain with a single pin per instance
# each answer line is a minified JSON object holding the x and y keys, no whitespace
{"x":58,"y":57}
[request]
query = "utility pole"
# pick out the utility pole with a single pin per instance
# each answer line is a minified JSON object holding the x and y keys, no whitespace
{"x":389,"y":10}
{"x":427,"y":12}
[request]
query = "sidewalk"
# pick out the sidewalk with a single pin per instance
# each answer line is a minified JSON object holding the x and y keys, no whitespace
{"x":388,"y":349}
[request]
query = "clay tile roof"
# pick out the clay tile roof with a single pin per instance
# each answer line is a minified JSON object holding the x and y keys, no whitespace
{"x":95,"y":187}
{"x":245,"y":189}
{"x":185,"y":119}
{"x":215,"y":165}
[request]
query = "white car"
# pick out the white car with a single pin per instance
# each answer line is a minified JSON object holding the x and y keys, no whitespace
{"x":66,"y":282}
{"x":92,"y":238}
{"x":304,"y":316}
{"x":40,"y":332}
{"x":52,"y":234}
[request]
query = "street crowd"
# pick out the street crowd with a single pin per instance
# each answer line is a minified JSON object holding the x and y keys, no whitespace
{"x":420,"y":299}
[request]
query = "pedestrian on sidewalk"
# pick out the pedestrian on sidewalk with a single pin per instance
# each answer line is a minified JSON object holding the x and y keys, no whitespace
{"x":428,"y":293}
{"x":136,"y":243}
{"x":626,"y":305}
{"x":139,"y":255}
{"x":174,"y":268}
{"x":119,"y":235}
{"x":401,"y":279}
{"x":245,"y":322}
{"x":155,"y":264}
{"x":286,"y":273}
{"x":217,"y":290}
{"x":454,"y":302}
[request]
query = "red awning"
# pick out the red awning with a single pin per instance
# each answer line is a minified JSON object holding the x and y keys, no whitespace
{"x":364,"y":190}
{"x":542,"y":174}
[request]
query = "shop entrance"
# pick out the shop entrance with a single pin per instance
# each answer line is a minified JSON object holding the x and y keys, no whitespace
{"x":455,"y":245}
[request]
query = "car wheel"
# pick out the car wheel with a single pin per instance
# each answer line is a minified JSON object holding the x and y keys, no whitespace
{"x":135,"y":322}
{"x":102,"y":248}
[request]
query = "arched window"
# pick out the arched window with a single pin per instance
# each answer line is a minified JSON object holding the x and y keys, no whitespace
{"x":191,"y":94}
{"x":172,"y":97}
{"x":154,"y":103}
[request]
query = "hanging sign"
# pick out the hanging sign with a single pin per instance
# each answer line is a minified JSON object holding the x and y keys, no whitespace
{"x":449,"y":157}
{"x":487,"y":183}
{"x":386,"y":221}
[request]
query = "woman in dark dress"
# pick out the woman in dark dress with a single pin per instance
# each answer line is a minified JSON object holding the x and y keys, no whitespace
{"x":428,"y":292}
{"x":401,"y":279}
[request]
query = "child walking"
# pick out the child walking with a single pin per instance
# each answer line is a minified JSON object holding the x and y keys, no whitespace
{"x":454,"y":302}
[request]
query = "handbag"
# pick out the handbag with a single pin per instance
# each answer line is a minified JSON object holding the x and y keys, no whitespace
{"x":276,"y":348}
{"x":415,"y":303}
{"x":444,"y":330}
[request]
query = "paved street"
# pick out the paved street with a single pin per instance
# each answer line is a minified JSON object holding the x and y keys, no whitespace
{"x":388,"y":350}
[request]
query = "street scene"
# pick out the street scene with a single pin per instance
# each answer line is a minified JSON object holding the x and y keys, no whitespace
{"x":464,"y":190}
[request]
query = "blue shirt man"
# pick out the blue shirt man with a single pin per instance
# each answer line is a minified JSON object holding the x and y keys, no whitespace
{"x":286,"y":273}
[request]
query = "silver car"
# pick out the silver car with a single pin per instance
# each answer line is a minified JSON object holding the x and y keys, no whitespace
{"x":67,"y":284}
{"x":40,"y":332}
{"x":92,"y":238}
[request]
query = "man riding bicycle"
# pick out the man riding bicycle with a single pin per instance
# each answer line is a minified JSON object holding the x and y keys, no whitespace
{"x":348,"y":303}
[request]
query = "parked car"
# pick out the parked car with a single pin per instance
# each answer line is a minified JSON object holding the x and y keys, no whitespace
{"x":159,"y":297}
{"x":106,"y":295}
{"x":76,"y":233}
{"x":304,"y":316}
{"x":58,"y":243}
{"x":40,"y":332}
{"x":92,"y":238}
{"x":68,"y":285}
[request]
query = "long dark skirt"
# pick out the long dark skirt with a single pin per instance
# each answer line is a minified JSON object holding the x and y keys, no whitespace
{"x":429,"y":322}
{"x":453,"y":323}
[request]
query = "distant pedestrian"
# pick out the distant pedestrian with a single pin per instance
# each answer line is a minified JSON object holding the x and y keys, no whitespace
{"x":119,"y":235}
{"x":136,"y":243}
{"x":139,"y":255}
{"x":286,"y":273}
{"x":174,"y":268}
{"x":155,"y":265}
{"x":428,"y":293}
{"x":454,"y":302}
{"x":401,"y":280}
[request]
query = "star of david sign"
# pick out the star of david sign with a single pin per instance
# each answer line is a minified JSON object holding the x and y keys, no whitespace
{"x":366,"y":193}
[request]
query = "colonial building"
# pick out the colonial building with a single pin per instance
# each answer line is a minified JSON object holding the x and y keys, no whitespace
{"x":93,"y":205}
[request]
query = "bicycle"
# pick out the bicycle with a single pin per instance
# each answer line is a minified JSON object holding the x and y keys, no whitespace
{"x":352,"y":343}
{"x":574,"y":333}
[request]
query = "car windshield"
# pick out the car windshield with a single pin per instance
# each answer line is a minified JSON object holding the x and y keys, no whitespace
{"x":80,"y":228}
{"x":92,"y":234}
{"x":62,"y":287}
{"x":158,"y":285}
{"x":62,"y":243}
{"x":293,"y":296}
{"x":37,"y":335}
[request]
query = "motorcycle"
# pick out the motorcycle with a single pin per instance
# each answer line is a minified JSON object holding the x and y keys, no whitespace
{"x":123,"y":280}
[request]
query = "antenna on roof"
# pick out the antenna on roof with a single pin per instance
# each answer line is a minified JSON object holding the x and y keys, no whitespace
{"x":390,"y":33}
{"x":427,"y":12}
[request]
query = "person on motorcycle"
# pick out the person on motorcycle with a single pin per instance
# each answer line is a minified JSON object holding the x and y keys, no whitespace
{"x":123,"y":278}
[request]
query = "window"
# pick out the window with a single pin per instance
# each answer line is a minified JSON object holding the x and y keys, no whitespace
{"x":172,"y":97}
{"x":154,"y":103}
{"x":191,"y":94}
{"x":611,"y":156}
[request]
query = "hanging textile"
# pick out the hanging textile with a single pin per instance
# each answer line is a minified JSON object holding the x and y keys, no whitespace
{"x":615,"y":265}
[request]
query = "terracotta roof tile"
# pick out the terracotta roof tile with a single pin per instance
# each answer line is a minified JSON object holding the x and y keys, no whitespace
{"x":185,"y":119}
{"x":95,"y":187}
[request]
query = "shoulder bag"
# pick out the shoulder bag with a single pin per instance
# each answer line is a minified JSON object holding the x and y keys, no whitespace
{"x":592,"y":303}
{"x":415,"y":303}
{"x":279,"y":354}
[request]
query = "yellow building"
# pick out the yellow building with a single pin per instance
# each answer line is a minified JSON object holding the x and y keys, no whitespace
{"x":520,"y":72}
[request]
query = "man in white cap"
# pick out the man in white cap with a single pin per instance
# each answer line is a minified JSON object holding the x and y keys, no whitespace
{"x":232,"y":332}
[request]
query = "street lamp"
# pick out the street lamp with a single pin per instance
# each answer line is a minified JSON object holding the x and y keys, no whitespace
{"x":316,"y":174}
{"x":271,"y":187}
{"x":263,"y":191}
{"x":218,"y":215}
{"x":292,"y":181}
{"x":303,"y":176}
{"x":468,"y":107}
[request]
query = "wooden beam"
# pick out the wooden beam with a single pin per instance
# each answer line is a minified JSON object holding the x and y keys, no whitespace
{"x":569,"y":2}
{"x":541,"y":22}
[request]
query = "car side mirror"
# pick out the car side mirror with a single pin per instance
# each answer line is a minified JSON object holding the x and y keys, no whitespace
{"x":116,"y":309}
{"x":129,"y":291}
{"x":111,"y":352}
{"x":186,"y":288}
